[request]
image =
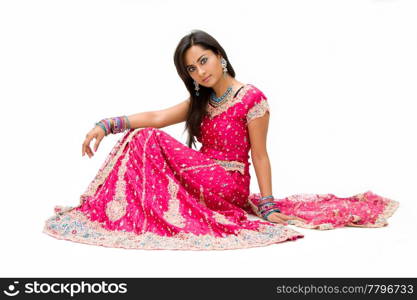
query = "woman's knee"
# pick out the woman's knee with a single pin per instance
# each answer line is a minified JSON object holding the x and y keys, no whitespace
{"x":143,"y":133}
{"x":146,"y":130}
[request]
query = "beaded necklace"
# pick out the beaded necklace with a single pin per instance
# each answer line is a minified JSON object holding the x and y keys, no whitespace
{"x":222,"y":98}
{"x":217,"y":101}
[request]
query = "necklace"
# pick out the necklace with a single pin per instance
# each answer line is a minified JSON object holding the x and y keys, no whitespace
{"x":217,"y":101}
{"x":221,"y":98}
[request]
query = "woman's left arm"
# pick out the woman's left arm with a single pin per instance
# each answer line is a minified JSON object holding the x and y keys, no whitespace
{"x":258,"y":130}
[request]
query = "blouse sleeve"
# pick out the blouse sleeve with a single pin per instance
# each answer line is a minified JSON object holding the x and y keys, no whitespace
{"x":257,"y":107}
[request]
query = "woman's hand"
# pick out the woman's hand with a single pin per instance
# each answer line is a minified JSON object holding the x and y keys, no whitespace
{"x":280,"y":218}
{"x":95,"y":133}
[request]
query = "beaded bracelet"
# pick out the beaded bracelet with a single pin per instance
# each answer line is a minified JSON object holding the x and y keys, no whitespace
{"x":266,"y":207}
{"x":265,"y":216}
{"x":114,"y":125}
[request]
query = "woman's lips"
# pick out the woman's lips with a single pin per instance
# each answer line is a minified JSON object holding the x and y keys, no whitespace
{"x":204,"y":80}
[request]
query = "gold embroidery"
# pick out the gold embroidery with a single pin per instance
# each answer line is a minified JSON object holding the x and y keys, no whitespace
{"x":228,"y":165}
{"x":145,"y":221}
{"x":107,"y":166}
{"x":214,"y":111}
{"x":232,"y":165}
{"x":202,"y":202}
{"x":74,"y":226}
{"x":173,"y":214}
{"x":381,"y":221}
{"x":116,"y":208}
{"x":258,"y":110}
{"x":221,"y":218}
{"x":195,"y":167}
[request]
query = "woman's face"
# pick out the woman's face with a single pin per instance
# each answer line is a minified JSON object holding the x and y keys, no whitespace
{"x":203,"y":64}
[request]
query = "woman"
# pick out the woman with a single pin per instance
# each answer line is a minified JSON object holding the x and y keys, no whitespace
{"x":153,"y":192}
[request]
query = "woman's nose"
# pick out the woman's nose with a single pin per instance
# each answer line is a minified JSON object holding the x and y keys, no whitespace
{"x":201,"y":72}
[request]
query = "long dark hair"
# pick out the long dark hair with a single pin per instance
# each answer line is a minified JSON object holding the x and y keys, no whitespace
{"x":199,"y":103}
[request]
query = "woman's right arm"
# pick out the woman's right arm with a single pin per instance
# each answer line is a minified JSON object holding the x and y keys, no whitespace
{"x":158,"y":119}
{"x":161,"y":118}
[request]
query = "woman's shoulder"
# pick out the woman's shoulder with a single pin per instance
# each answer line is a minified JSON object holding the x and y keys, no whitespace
{"x":256,"y":104}
{"x":254,"y":94}
{"x":255,"y":89}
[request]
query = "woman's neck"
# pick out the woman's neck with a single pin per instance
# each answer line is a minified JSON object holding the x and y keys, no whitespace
{"x":221,"y":86}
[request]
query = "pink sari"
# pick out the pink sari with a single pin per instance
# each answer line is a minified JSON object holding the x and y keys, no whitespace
{"x":153,"y":192}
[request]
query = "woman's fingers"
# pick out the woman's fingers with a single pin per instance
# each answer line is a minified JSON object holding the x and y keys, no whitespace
{"x":286,"y":218}
{"x":96,"y":133}
{"x":87,"y":150}
{"x":274,"y":217}
{"x":90,"y":153}
{"x":98,"y":141}
{"x":86,"y":145}
{"x":283,"y":219}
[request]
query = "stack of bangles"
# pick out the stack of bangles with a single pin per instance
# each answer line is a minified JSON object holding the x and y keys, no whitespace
{"x":266,"y":207}
{"x":114,"y":125}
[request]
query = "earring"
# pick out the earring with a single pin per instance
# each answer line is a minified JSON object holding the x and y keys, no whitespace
{"x":196,"y":87}
{"x":224,"y":64}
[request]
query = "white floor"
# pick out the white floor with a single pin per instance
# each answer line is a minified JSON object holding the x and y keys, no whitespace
{"x":351,"y":252}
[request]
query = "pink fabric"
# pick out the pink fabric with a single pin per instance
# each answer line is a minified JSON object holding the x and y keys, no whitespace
{"x":153,"y":192}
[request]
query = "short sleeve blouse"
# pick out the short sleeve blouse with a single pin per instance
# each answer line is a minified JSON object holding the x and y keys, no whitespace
{"x":257,"y":106}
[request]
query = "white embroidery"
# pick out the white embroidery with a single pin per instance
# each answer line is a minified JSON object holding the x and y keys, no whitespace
{"x":73,"y":225}
{"x":214,"y":111}
{"x":232,"y":165}
{"x":173,"y":214}
{"x":196,"y":167}
{"x":221,"y":218}
{"x":107,"y":166}
{"x":258,"y":110}
{"x":116,"y":208}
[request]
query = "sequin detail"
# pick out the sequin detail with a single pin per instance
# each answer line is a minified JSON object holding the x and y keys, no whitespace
{"x":173,"y":214}
{"x":226,"y":164}
{"x":232,"y":165}
{"x":116,"y":208}
{"x":153,"y":192}
{"x":221,"y":218}
{"x":197,"y":167}
{"x":108,"y":164}
{"x":214,"y":111}
{"x":258,"y":110}
{"x":75,"y":226}
{"x":331,"y":212}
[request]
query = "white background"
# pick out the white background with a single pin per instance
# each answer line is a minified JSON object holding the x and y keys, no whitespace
{"x":340,"y":77}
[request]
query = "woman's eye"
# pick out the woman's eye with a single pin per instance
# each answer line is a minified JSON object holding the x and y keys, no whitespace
{"x":203,"y":61}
